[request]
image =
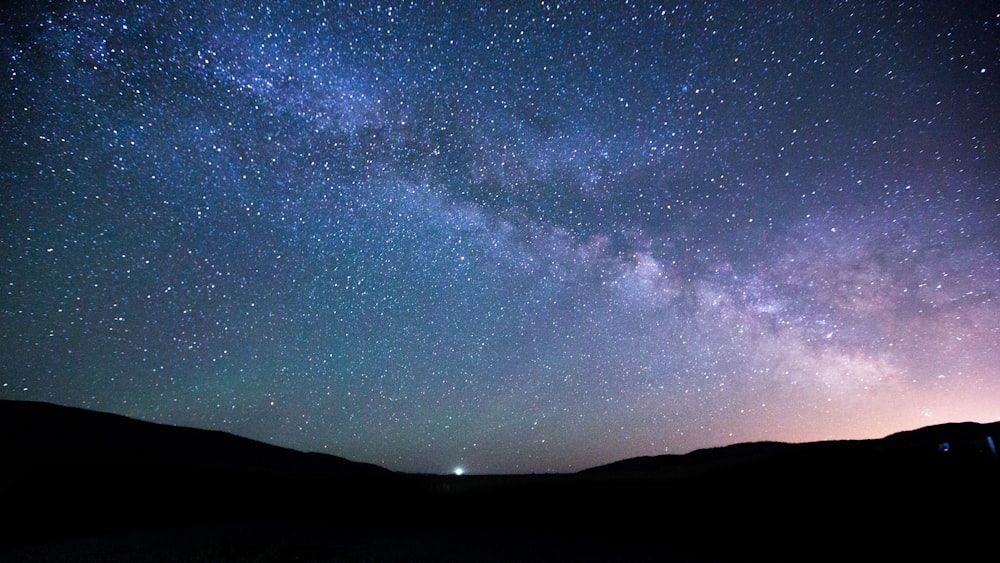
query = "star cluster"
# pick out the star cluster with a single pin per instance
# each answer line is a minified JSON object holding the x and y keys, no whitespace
{"x":511,"y":237}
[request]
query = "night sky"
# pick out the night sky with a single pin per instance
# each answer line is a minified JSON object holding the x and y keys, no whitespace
{"x":505,"y":236}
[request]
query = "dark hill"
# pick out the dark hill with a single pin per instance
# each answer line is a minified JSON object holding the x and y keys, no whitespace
{"x":932,"y":445}
{"x":86,"y":486}
{"x":70,"y":471}
{"x":42,"y":433}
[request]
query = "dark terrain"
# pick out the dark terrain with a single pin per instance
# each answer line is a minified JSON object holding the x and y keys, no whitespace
{"x":87,"y":486}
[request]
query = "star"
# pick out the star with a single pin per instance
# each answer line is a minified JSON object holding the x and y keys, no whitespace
{"x":566,"y":235}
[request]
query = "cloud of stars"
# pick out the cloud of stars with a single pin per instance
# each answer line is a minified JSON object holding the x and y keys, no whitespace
{"x":525,"y":237}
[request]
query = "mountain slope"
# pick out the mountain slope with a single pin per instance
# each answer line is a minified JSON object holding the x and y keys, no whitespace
{"x":932,"y":444}
{"x":74,"y":473}
{"x":69,"y":471}
{"x":44,"y":433}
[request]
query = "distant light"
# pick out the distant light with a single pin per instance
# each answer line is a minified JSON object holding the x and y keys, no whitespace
{"x":459,"y":471}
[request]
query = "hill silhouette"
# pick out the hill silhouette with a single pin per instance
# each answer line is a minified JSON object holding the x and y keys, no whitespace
{"x":44,"y":433}
{"x":916,"y":449}
{"x":88,"y":486}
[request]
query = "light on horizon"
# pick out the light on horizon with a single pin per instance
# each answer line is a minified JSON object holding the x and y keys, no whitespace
{"x":459,"y":471}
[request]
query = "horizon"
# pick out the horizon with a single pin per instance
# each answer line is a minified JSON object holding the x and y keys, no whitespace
{"x":460,"y":471}
{"x":524,"y":238}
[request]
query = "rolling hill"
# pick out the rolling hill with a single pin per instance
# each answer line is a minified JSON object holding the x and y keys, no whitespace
{"x":109,"y":488}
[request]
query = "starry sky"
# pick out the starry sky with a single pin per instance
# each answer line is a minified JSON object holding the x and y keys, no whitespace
{"x":508,"y":236}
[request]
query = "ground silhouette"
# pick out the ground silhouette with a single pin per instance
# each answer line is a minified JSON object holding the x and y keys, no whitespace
{"x":88,"y":486}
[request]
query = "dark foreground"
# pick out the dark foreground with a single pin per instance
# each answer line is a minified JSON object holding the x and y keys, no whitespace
{"x":81,"y":486}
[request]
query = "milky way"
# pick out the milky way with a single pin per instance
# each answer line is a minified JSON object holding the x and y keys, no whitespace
{"x":512,"y":237}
